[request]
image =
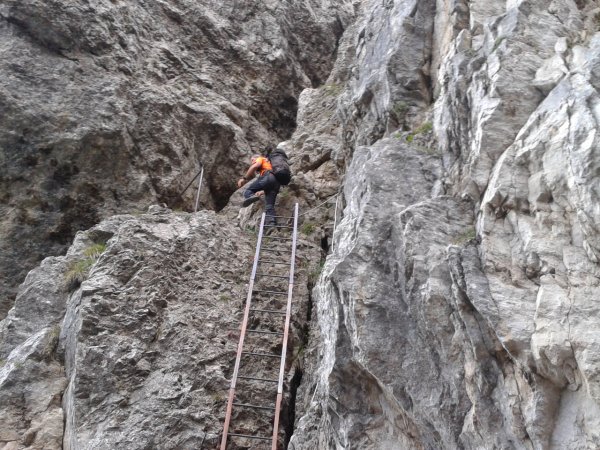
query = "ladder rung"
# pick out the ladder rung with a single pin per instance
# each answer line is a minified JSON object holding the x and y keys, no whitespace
{"x":249,"y":436}
{"x":282,"y":217}
{"x":272,"y":276}
{"x":247,"y":405}
{"x":278,"y":238}
{"x":269,"y":355}
{"x":264,"y":332}
{"x":279,"y":226}
{"x":266,"y":249}
{"x":271,"y":292}
{"x":258,"y":379}
{"x":268,"y":311}
{"x":274,"y":262}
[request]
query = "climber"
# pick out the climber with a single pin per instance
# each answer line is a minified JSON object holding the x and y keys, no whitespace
{"x":265,"y":185}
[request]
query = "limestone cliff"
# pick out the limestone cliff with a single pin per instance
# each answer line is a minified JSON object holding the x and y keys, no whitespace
{"x":459,"y":309}
{"x":457,"y":306}
{"x":108,"y":106}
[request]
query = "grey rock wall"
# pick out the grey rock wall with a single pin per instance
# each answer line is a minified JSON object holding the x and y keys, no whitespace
{"x":141,"y":353}
{"x":110,"y":106}
{"x":458,"y":305}
{"x":458,"y":308}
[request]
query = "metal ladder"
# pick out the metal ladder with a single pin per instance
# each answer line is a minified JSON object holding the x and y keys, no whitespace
{"x":256,"y":315}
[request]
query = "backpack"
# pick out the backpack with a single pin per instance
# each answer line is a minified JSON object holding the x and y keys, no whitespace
{"x":281,"y":166}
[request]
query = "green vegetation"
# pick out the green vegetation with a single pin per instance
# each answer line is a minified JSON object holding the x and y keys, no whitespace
{"x":313,"y":276}
{"x":333,"y":89}
{"x":52,"y":341}
{"x":465,"y":237}
{"x":218,"y":397}
{"x":426,"y":127}
{"x":400,"y":109}
{"x":79,"y":270}
{"x":94,"y":251}
{"x":307,"y":228}
{"x":497,"y":43}
{"x":298,"y":359}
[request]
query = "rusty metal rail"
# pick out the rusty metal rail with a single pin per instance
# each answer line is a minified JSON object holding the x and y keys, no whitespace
{"x":267,"y":264}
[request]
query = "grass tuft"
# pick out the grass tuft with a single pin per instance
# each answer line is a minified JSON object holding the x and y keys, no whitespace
{"x":465,"y":237}
{"x":313,"y":276}
{"x":424,"y":128}
{"x":333,"y":89}
{"x":79,"y":270}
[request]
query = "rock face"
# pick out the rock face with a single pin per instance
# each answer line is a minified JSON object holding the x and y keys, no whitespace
{"x":458,"y":309}
{"x":458,"y":305}
{"x":110,"y":106}
{"x":144,"y":347}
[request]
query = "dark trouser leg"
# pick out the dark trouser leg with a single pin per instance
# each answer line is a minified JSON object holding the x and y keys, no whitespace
{"x":270,"y":197}
{"x":255,"y":186}
{"x":271,"y":191}
{"x":270,"y":185}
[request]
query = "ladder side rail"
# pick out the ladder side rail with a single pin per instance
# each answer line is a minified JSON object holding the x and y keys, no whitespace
{"x":285,"y":332}
{"x":199,"y":187}
{"x":242,"y":335}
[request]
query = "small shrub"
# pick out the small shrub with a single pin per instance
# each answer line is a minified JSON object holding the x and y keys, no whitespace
{"x":400,"y":109}
{"x":218,"y":397}
{"x":410,"y":138}
{"x":307,"y":228}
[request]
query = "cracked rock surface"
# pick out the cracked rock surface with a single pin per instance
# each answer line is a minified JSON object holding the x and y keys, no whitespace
{"x":141,"y":353}
{"x":459,"y":309}
{"x":445,"y":155}
{"x":109,"y":106}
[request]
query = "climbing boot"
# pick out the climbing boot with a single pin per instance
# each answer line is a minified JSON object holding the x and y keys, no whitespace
{"x":250,"y":200}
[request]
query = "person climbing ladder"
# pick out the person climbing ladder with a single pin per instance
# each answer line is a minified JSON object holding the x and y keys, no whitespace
{"x":266,"y":184}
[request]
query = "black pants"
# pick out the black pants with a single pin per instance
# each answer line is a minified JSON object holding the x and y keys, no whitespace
{"x":270,"y":185}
